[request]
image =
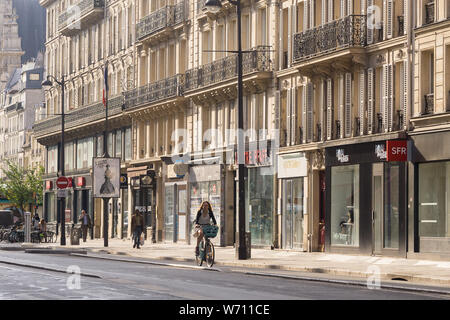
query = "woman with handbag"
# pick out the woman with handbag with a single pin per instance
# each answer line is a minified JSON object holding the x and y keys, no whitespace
{"x":204,"y":217}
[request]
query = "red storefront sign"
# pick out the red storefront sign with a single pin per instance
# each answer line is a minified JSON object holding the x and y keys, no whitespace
{"x":48,"y":185}
{"x":81,"y":182}
{"x":70,"y":185}
{"x":397,"y":150}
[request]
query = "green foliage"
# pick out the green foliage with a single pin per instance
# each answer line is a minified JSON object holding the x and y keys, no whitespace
{"x":22,"y":186}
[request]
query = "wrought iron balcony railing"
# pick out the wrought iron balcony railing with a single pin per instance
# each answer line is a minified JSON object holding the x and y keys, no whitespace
{"x":79,"y":116}
{"x":401,"y":25}
{"x":255,"y":60}
{"x":429,"y":13}
{"x":73,"y":14}
{"x":344,"y":33}
{"x":429,"y":104}
{"x":165,"y":17}
{"x":154,"y":92}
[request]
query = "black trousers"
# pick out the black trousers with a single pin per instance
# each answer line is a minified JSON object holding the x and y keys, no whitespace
{"x":84,"y":230}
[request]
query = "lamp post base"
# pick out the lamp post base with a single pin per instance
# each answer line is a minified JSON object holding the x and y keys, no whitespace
{"x":243,"y":251}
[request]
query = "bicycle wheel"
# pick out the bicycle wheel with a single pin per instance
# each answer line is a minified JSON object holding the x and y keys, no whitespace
{"x":209,"y":254}
{"x":201,"y":254}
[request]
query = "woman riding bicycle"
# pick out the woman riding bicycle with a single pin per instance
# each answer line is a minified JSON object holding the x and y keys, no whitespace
{"x":204,"y":217}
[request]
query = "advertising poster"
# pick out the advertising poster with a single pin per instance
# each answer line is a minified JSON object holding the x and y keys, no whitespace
{"x":106,"y":177}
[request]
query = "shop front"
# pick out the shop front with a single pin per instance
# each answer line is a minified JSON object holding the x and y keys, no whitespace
{"x":366,"y":198}
{"x":429,"y":189}
{"x":176,"y":224}
{"x":260,"y":186}
{"x":207,"y":183}
{"x":292,"y":174}
{"x":142,"y":186}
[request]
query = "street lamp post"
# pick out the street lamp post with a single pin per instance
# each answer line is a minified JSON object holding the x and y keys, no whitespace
{"x":62,"y":203}
{"x":243,"y":248}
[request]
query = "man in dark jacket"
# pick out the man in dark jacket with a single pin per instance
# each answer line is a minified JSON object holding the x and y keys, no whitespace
{"x":137,"y":227}
{"x":85,"y":224}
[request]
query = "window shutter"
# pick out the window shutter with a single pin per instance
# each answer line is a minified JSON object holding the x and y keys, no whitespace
{"x":348,"y":105}
{"x":324,"y":12}
{"x":305,"y":15}
{"x":371,"y":25}
{"x":390,"y":19}
{"x":304,"y":111}
{"x":330,"y":115}
{"x":370,"y":100}
{"x":323,"y":109}
{"x":330,"y":10}
{"x":385,"y":19}
{"x":343,"y":7}
{"x":404,"y":93}
{"x":349,"y":7}
{"x":293,"y":115}
{"x":288,"y":116}
{"x":312,"y":10}
{"x":277,"y":110}
{"x":391,"y":97}
{"x":310,"y":102}
{"x":405,"y":16}
{"x":362,"y":102}
{"x":385,"y":96}
{"x":341,"y":105}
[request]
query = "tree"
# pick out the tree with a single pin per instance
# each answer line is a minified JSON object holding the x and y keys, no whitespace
{"x":22,"y":186}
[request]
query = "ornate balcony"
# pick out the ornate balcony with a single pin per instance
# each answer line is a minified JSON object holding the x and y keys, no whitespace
{"x":429,"y":13}
{"x":163,"y":19}
{"x":80,"y":16}
{"x":401,"y":25}
{"x":154,"y":92}
{"x":340,"y":34}
{"x":429,"y":104}
{"x":253,"y":61}
{"x":85,"y":119}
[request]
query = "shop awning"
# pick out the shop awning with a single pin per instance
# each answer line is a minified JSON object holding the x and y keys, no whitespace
{"x":137,"y":171}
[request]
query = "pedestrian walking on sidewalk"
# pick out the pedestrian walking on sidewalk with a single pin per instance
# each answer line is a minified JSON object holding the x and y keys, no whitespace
{"x":85,"y":224}
{"x":137,"y":227}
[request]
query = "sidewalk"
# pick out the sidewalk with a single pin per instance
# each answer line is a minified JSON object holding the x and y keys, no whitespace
{"x":416,"y":271}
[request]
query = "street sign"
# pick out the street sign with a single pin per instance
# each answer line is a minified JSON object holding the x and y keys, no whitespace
{"x":62,"y":183}
{"x":62,"y":193}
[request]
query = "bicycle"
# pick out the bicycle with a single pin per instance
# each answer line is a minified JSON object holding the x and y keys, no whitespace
{"x":206,"y":247}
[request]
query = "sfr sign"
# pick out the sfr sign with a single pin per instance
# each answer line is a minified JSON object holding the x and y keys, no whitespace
{"x":397,"y":150}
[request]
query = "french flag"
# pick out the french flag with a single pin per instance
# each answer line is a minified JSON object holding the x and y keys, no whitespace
{"x":105,"y":86}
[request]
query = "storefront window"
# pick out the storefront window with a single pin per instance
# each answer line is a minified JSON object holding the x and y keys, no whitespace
{"x":392,"y":202}
{"x":85,"y":150}
{"x":169,"y":212}
{"x":124,"y":213}
{"x":434,"y":199}
{"x":50,"y":209}
{"x":345,"y":205}
{"x":259,"y":206}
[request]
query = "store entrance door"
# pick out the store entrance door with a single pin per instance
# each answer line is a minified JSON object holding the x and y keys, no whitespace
{"x":377,"y":208}
{"x":293,"y":213}
{"x":182,"y":212}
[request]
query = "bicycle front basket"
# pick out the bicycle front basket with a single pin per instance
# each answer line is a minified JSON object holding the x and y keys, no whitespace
{"x":210,"y":231}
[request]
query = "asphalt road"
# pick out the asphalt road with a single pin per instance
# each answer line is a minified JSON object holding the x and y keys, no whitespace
{"x":134,"y":281}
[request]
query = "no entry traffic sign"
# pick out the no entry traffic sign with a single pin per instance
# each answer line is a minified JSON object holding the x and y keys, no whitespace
{"x":62,"y":182}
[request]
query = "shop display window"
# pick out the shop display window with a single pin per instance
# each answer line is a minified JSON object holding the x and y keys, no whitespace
{"x":345,"y":205}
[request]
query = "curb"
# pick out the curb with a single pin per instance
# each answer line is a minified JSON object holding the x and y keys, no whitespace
{"x":348,"y":282}
{"x":148,"y":262}
{"x":48,"y":269}
{"x":55,"y":251}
